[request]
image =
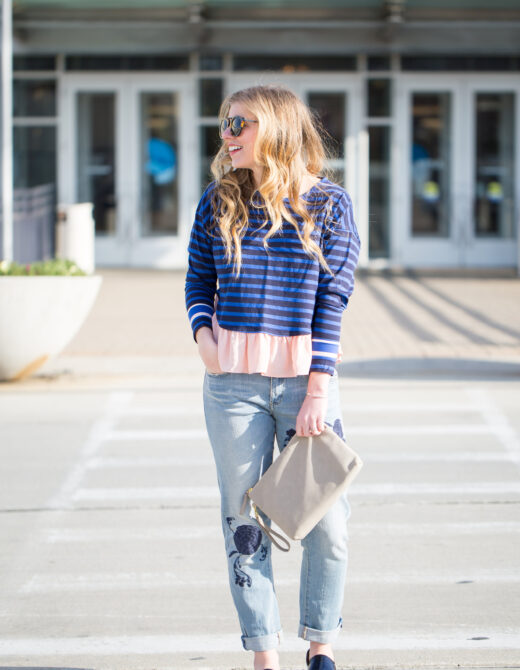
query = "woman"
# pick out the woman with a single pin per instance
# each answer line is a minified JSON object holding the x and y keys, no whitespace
{"x":271,"y":267}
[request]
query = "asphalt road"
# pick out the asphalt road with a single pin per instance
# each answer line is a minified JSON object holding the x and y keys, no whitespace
{"x":110,"y":547}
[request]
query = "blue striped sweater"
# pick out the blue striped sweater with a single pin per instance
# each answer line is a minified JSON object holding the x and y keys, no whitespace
{"x":282,"y":291}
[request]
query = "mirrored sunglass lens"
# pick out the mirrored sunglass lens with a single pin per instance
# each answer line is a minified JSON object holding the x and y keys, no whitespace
{"x":236,"y":125}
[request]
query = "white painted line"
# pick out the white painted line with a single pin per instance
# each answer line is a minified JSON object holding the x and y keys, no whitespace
{"x":497,"y":422}
{"x":462,"y":488}
{"x":469,"y":457}
{"x":100,"y":429}
{"x":164,"y":580}
{"x":368,"y":457}
{"x":380,"y":489}
{"x":418,"y":429}
{"x":153,"y":435}
{"x":436,"y":529}
{"x":152,"y":493}
{"x":146,"y":645}
{"x":90,"y":535}
{"x":403,"y":408}
{"x":148,"y":462}
{"x":173,"y":410}
{"x":368,"y":408}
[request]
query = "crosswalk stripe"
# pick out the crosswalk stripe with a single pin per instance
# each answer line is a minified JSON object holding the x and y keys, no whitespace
{"x":400,"y":429}
{"x":152,"y":493}
{"x":88,"y":535}
{"x":163,"y":580}
{"x":468,"y":638}
{"x":368,"y":457}
{"x":369,"y":408}
{"x":379,"y":489}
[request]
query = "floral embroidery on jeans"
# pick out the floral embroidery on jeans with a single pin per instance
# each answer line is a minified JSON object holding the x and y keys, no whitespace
{"x":247,"y":540}
{"x":338,"y":429}
{"x":288,"y":435}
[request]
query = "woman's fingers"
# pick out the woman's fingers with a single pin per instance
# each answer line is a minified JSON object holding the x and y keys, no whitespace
{"x":311,"y":417}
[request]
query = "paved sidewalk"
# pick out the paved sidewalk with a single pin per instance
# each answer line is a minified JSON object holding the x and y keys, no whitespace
{"x":109,"y":509}
{"x":395,"y":324}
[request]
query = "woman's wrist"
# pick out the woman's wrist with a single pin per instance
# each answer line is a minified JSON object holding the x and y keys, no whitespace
{"x":203,"y":333}
{"x":318,"y":385}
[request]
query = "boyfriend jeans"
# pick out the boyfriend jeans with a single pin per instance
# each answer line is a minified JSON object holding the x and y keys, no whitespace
{"x":244,"y":413}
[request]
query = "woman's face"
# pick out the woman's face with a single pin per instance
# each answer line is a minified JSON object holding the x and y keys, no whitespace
{"x":241,"y":148}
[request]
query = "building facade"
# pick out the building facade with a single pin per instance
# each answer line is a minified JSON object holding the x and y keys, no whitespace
{"x":116,"y":104}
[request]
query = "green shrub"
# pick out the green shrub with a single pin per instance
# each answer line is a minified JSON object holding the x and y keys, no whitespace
{"x":55,"y":267}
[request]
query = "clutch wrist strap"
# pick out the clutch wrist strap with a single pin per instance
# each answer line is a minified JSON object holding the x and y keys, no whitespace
{"x":271,"y":534}
{"x":316,"y":395}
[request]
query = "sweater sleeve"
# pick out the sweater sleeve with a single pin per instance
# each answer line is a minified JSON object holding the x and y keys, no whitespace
{"x":340,"y":246}
{"x":201,"y":278}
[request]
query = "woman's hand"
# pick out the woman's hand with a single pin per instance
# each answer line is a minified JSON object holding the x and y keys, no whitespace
{"x":311,"y":417}
{"x":208,"y":350}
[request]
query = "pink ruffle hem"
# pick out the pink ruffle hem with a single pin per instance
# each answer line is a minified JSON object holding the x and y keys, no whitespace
{"x":269,"y":355}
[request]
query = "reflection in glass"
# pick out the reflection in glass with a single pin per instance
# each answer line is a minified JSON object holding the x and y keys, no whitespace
{"x":330,"y":109}
{"x":150,"y":62}
{"x":159,"y":163}
{"x":379,"y":97}
{"x":33,"y":63}
{"x":379,"y":185}
{"x":210,"y":62}
{"x":96,"y":157}
{"x":210,"y":96}
{"x":494,"y":164}
{"x":34,"y":156}
{"x":34,"y":97}
{"x":430,"y":164}
{"x":379,"y":63}
{"x":209,"y":146}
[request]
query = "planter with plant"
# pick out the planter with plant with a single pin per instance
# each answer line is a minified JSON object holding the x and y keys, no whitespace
{"x":42,"y":307}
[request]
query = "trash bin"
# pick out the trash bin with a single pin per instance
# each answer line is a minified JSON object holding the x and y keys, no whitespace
{"x":75,"y":234}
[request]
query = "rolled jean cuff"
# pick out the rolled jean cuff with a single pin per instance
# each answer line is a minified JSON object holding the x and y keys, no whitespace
{"x":322,"y":636}
{"x":262,"y":643}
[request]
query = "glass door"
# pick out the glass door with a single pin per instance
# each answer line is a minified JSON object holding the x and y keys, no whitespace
{"x":336,"y":99}
{"x":493,"y":114}
{"x":92,"y":154}
{"x":164,"y":169}
{"x":96,"y":157}
{"x":131,"y":151}
{"x":456,"y":164}
{"x":427,"y":155}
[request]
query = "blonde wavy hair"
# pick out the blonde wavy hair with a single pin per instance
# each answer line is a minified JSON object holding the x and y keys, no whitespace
{"x":290,"y":144}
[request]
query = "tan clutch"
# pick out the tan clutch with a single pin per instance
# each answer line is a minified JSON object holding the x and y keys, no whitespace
{"x":305,"y":480}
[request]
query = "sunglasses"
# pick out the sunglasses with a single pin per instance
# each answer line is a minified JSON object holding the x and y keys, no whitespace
{"x":235,"y":125}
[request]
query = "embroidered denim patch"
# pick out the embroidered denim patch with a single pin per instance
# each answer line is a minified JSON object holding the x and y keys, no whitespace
{"x":247,"y":539}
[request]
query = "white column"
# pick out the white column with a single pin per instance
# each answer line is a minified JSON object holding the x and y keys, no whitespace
{"x":7,"y":131}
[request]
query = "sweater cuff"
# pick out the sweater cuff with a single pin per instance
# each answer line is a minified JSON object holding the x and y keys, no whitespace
{"x":200,"y":315}
{"x":324,"y":355}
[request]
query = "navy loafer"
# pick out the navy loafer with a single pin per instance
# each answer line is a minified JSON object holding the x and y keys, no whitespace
{"x":320,"y":662}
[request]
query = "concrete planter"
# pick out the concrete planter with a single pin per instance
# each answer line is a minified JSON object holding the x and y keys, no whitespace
{"x":38,"y":318}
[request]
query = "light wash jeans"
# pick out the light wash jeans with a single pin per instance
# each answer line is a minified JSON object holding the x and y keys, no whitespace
{"x":244,"y":413}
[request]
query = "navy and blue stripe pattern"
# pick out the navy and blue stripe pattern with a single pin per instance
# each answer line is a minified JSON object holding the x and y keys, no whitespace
{"x":281,"y":291}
